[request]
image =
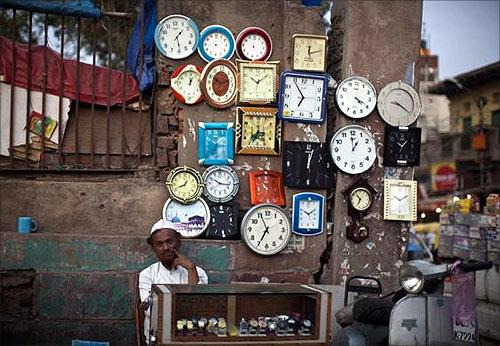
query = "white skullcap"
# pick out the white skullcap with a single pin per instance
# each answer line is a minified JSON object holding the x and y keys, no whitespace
{"x":162,"y":224}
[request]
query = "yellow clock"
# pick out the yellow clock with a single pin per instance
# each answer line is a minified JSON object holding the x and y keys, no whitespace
{"x":257,"y":81}
{"x":258,"y":131}
{"x":184,"y":184}
{"x":309,"y":53}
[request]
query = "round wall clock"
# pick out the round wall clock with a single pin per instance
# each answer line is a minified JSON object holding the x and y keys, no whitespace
{"x":216,"y":42}
{"x":353,"y":149}
{"x":221,"y":183}
{"x":184,"y":184}
{"x":360,"y":198}
{"x":185,"y":84}
{"x":190,"y":220}
{"x":176,"y":36}
{"x":266,"y":229}
{"x":218,"y":83}
{"x":254,"y":43}
{"x":399,"y":104}
{"x":356,"y":97}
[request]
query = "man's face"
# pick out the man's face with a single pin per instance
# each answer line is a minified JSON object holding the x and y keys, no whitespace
{"x":163,"y":243}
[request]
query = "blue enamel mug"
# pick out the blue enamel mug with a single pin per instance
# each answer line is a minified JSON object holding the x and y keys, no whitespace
{"x":26,"y":224}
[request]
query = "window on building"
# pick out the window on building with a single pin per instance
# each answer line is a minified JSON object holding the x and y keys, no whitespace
{"x":467,"y":106}
{"x":467,"y":133}
{"x":495,"y":118}
{"x":446,"y":147}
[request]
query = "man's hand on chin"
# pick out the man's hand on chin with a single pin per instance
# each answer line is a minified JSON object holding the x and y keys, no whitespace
{"x":185,"y":262}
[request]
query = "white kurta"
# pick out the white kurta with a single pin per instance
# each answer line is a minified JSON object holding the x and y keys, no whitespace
{"x":158,"y":274}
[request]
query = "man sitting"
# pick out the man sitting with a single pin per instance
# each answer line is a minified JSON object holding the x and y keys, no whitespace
{"x":172,"y":267}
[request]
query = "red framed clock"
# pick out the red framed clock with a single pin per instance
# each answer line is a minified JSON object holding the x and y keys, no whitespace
{"x":254,"y":43}
{"x":185,"y":83}
{"x":267,"y":187}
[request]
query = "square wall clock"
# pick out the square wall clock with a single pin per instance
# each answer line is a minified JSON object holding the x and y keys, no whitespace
{"x":266,"y":187}
{"x":257,"y":82}
{"x":402,"y":146}
{"x":309,"y":52}
{"x":400,"y":200}
{"x":215,"y":143}
{"x":258,"y":131}
{"x":307,"y":213}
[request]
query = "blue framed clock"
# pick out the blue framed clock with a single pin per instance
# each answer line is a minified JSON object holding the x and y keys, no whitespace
{"x":215,"y":143}
{"x":302,"y":97}
{"x":216,"y":42}
{"x":308,"y":211}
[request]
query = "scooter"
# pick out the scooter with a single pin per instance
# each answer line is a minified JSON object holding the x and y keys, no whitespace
{"x":417,"y":314}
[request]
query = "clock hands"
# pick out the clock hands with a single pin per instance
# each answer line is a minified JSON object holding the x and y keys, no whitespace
{"x":301,"y":94}
{"x":266,"y":231}
{"x":261,"y":79}
{"x":185,"y":182}
{"x":400,"y":105}
{"x":314,"y":51}
{"x":359,"y":101}
{"x":177,"y":38}
{"x":309,"y":51}
{"x":354,"y":145}
{"x":401,"y":146}
{"x":309,"y":157}
{"x":218,"y":182}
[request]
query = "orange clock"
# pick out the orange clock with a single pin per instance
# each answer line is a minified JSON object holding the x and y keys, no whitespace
{"x":266,"y":187}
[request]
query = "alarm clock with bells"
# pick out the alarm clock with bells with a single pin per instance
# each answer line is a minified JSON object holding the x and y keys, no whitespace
{"x":218,"y":83}
{"x":176,"y":36}
{"x":184,"y":184}
{"x":266,"y":229}
{"x":254,"y":43}
{"x":185,"y":84}
{"x":399,"y":104}
{"x":360,"y":196}
{"x":356,"y":97}
{"x":353,"y":149}
{"x":216,"y":42}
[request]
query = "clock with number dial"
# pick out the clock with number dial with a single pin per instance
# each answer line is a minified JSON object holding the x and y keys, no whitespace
{"x":356,"y":97}
{"x":223,"y":221}
{"x":257,"y":81}
{"x":309,"y":52}
{"x":184,"y":184}
{"x":218,"y":83}
{"x":221,"y":183}
{"x":400,"y":200}
{"x":302,"y":97}
{"x":308,"y":212}
{"x":185,"y":84}
{"x":266,"y":187}
{"x":360,"y":198}
{"x":353,"y":149}
{"x":176,"y":36}
{"x":254,"y":43}
{"x":265,"y":229}
{"x":216,"y":42}
{"x":399,"y":104}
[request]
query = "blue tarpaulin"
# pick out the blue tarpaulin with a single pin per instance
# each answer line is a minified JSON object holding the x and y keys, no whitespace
{"x":146,"y":24}
{"x":76,"y":8}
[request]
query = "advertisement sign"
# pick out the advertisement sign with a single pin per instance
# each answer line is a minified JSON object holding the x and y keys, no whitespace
{"x":444,"y":176}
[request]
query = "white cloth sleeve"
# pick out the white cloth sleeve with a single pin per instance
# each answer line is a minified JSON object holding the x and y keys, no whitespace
{"x":202,"y":276}
{"x":145,"y":282}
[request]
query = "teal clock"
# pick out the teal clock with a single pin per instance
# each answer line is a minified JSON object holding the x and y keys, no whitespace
{"x":215,"y":143}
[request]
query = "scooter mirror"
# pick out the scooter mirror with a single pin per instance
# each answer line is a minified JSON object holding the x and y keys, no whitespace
{"x":411,"y":279}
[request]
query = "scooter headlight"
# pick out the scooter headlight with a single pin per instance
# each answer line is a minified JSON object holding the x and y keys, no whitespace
{"x":411,"y":279}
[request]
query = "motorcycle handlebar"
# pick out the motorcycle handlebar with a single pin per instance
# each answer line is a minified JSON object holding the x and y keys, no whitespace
{"x":471,"y":267}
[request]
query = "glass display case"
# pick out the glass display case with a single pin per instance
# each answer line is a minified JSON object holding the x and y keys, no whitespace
{"x":288,"y":314}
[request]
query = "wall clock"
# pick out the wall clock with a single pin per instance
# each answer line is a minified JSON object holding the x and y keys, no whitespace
{"x":402,"y":146}
{"x":307,"y":165}
{"x":266,"y":187}
{"x":309,"y":53}
{"x":400,"y":200}
{"x":185,"y":84}
{"x":223,"y":221}
{"x":218,"y":83}
{"x":258,"y":131}
{"x":254,"y":43}
{"x":266,"y":229}
{"x":399,"y":104}
{"x":221,"y":183}
{"x":215,"y":143}
{"x":216,"y":42}
{"x":257,"y":82}
{"x":176,"y":36}
{"x":190,"y":220}
{"x":353,"y":149}
{"x":184,"y":184}
{"x":302,"y":97}
{"x":356,"y":97}
{"x":308,"y":213}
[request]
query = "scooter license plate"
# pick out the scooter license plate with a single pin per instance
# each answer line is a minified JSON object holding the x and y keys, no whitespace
{"x":464,"y":331}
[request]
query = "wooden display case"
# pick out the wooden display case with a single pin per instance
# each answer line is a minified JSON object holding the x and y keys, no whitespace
{"x":269,"y":302}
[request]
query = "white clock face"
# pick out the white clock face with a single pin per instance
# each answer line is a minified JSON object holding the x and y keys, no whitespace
{"x":309,"y":213}
{"x":187,"y":84}
{"x":266,"y":229}
{"x":221,"y":183}
{"x":399,"y":104}
{"x":356,"y":97}
{"x":353,"y":149}
{"x":400,"y":200}
{"x":190,"y":220}
{"x":217,"y":42}
{"x":254,"y":47}
{"x":221,"y":84}
{"x":258,"y":83}
{"x":302,"y":98}
{"x":176,"y":36}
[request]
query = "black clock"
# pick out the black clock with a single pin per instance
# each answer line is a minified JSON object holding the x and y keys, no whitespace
{"x":307,"y":165}
{"x":402,"y":146}
{"x":223,"y":221}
